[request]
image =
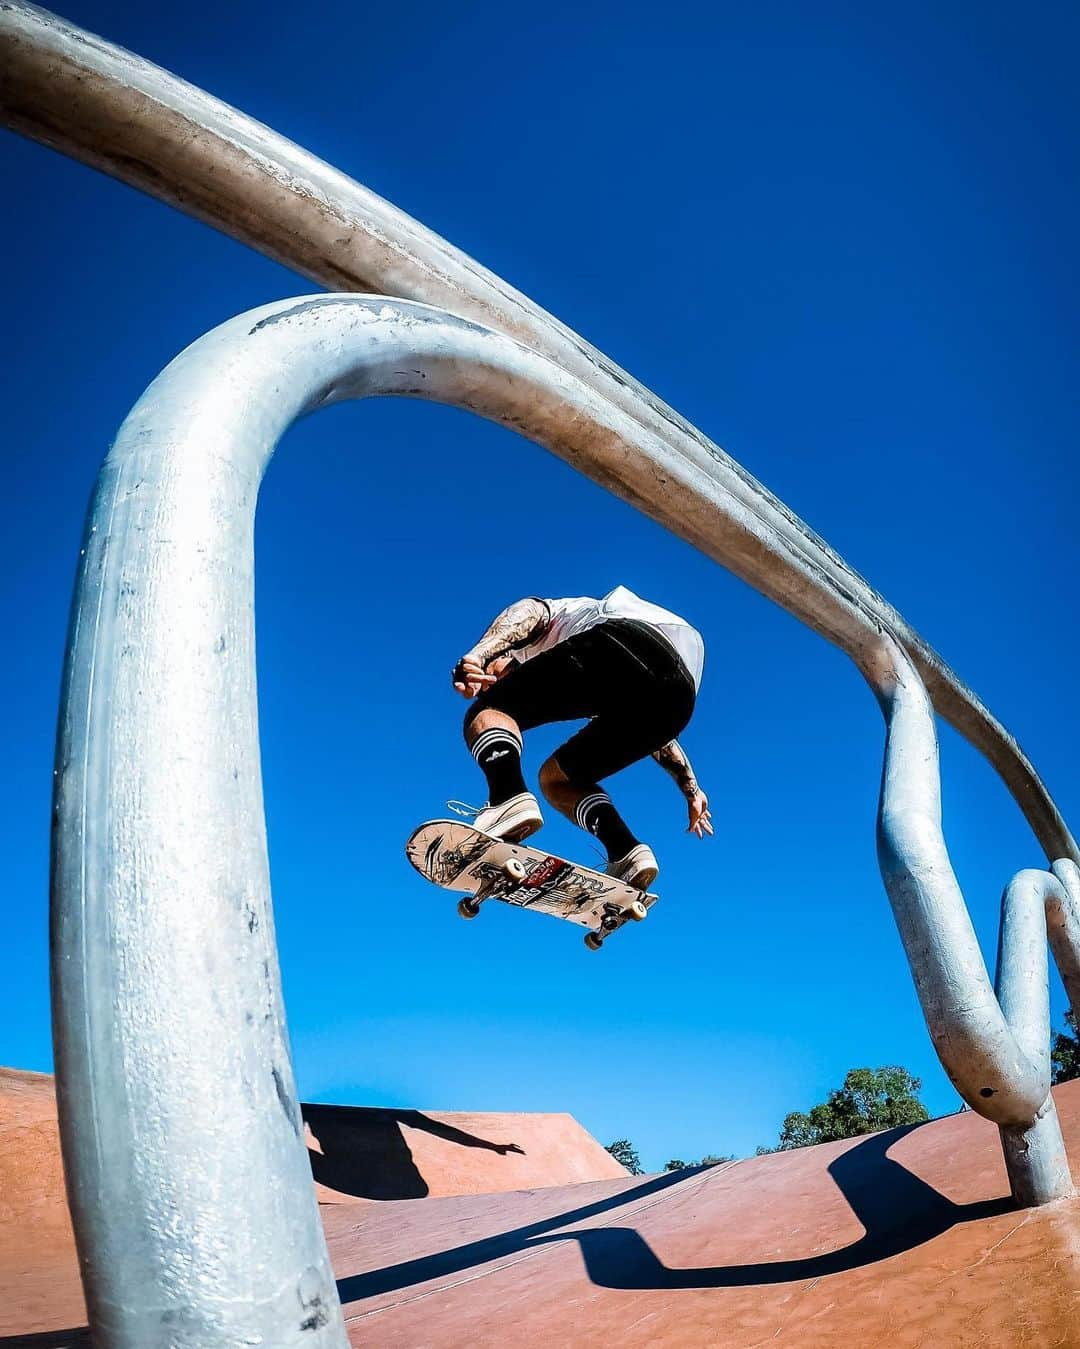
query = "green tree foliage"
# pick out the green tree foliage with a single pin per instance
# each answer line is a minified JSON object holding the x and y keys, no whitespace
{"x":624,"y":1151}
{"x":1065,"y":1052}
{"x":708,"y":1160}
{"x":870,"y":1100}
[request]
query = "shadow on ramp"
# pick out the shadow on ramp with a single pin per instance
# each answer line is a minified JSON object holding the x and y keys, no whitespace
{"x":78,"y":1338}
{"x":897,"y":1209}
{"x":364,"y":1152}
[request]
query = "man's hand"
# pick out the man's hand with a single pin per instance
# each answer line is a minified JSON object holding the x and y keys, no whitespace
{"x":470,"y":678}
{"x":490,"y":658}
{"x":500,"y":665}
{"x":700,"y":817}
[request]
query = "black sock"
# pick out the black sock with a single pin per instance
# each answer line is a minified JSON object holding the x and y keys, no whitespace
{"x":596,"y":815}
{"x":498,"y":752}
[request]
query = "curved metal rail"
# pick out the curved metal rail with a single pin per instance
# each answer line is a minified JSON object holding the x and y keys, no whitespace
{"x":994,"y":1047}
{"x":170,"y":1030}
{"x":95,"y":101}
{"x":188,"y":1176}
{"x":159,"y":861}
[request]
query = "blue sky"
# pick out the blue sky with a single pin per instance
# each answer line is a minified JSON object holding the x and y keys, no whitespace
{"x":839,"y":238}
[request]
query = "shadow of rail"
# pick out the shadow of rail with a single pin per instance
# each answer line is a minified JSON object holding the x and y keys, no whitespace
{"x":76,"y":1338}
{"x":897,"y":1209}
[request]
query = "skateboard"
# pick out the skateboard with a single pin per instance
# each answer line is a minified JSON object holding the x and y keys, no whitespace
{"x":456,"y":856}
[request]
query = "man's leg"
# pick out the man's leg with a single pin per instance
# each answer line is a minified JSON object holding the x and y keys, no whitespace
{"x":494,"y":739}
{"x":547,"y":688}
{"x":590,"y":808}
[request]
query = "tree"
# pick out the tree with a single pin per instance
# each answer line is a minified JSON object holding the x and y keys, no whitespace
{"x":708,"y":1160}
{"x":624,"y":1151}
{"x":870,"y":1100}
{"x":1065,"y":1053}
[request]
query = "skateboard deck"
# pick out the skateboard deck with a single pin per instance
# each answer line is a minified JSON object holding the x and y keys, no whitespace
{"x":456,"y":856}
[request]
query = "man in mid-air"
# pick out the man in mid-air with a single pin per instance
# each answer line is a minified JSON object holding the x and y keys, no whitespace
{"x":629,"y":666}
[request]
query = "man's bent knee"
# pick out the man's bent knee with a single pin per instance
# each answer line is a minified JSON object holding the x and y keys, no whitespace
{"x":556,"y":786}
{"x":479,"y":719}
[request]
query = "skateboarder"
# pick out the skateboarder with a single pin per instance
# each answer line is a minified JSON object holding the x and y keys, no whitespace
{"x":629,"y":666}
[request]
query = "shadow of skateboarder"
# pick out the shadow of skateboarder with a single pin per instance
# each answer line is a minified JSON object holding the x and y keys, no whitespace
{"x":364,"y":1152}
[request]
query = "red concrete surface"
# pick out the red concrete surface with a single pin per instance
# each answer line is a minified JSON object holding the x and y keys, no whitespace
{"x":905,"y":1239}
{"x":39,"y":1282}
{"x":357,"y":1154}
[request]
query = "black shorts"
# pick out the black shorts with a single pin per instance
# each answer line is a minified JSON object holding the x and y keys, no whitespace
{"x":622,"y":674}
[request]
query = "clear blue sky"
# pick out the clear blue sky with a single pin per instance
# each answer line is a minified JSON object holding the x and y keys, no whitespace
{"x":839,"y":238}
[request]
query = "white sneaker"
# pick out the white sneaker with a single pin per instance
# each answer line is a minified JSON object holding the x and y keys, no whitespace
{"x":638,"y":868}
{"x":514,"y":819}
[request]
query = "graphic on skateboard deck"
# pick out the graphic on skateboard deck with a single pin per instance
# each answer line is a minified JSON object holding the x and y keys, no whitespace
{"x":456,"y":856}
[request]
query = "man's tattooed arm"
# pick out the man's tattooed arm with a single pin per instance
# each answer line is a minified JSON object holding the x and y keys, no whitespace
{"x":672,"y":759}
{"x":514,"y":628}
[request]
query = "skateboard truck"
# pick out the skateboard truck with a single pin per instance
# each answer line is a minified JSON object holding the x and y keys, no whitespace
{"x":514,"y":873}
{"x":613,"y":919}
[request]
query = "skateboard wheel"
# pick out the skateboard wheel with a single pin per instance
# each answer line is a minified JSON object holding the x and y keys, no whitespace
{"x":468,"y":908}
{"x":514,"y":868}
{"x":637,"y":911}
{"x":593,"y":941}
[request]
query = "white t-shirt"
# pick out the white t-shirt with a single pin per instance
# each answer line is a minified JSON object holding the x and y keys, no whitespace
{"x":571,"y":616}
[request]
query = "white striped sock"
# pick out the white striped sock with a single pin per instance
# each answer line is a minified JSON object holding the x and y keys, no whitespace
{"x":586,"y":804}
{"x":497,"y":735}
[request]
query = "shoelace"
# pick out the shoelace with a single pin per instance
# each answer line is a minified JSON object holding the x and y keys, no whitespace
{"x":463,"y":809}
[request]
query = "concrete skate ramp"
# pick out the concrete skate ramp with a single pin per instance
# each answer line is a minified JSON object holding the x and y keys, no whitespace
{"x":356,"y":1154}
{"x":39,"y":1284}
{"x":906,"y":1239}
{"x":362,"y":1153}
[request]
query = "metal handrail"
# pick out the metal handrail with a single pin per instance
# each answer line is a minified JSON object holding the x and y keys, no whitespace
{"x":169,"y":1025}
{"x":159,"y":858}
{"x":995,"y":1046}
